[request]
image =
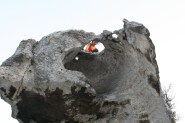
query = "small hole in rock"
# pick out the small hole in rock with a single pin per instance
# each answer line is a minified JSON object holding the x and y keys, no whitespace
{"x":94,"y":46}
{"x":114,"y":35}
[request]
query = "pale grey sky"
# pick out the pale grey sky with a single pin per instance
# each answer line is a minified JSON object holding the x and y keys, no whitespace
{"x":24,"y":19}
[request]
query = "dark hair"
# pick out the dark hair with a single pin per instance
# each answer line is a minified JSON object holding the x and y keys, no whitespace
{"x":95,"y":42}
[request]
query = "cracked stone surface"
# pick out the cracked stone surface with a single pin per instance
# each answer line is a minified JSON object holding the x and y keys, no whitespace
{"x":44,"y":83}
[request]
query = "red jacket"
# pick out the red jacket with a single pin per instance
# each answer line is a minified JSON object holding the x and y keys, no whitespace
{"x":90,"y":48}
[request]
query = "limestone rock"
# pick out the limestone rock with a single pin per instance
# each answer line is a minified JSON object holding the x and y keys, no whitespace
{"x":44,"y":83}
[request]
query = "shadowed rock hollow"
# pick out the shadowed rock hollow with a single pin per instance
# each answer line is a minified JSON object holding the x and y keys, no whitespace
{"x":44,"y":83}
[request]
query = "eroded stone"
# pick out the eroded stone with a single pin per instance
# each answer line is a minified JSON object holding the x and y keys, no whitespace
{"x":44,"y":83}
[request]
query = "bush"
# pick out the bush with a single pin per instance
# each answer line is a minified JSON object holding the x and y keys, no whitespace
{"x":168,"y":98}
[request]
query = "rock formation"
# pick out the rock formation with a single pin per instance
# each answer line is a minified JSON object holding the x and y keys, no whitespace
{"x":44,"y":83}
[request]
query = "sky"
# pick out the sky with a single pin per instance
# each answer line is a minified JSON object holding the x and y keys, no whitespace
{"x":165,"y":19}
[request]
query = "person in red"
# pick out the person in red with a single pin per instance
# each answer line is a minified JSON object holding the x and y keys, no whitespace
{"x":91,"y":47}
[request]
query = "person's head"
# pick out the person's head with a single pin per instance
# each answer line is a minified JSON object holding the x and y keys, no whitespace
{"x":94,"y":42}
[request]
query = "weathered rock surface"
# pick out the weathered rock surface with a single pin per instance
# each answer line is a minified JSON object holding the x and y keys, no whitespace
{"x":44,"y":83}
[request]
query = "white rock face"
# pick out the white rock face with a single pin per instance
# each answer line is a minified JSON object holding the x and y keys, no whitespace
{"x":53,"y":81}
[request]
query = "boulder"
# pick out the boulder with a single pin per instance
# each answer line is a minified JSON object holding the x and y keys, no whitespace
{"x":45,"y":83}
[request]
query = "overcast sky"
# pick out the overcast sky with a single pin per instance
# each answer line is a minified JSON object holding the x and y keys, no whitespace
{"x":165,"y":19}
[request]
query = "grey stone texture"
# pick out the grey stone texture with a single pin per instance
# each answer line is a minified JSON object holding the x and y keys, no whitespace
{"x":44,"y":83}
